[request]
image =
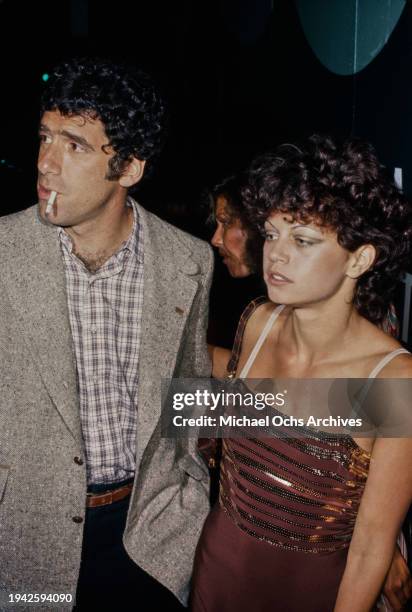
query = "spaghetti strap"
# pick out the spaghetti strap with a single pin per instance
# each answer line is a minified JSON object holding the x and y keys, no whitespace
{"x":378,"y":368}
{"x":385,"y":360}
{"x":231,"y":367}
{"x":268,"y":326}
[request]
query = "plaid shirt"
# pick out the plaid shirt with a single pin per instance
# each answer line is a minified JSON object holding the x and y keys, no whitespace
{"x":105,"y":316}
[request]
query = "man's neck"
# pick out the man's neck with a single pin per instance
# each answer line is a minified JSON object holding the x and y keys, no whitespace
{"x":96,"y":240}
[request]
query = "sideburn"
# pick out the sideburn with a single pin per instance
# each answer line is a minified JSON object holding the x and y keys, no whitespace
{"x":116,"y":166}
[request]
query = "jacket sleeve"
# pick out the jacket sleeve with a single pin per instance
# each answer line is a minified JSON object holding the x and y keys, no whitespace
{"x":196,"y":358}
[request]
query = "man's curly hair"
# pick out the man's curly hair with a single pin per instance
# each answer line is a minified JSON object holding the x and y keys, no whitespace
{"x":342,"y":187}
{"x":123,"y":98}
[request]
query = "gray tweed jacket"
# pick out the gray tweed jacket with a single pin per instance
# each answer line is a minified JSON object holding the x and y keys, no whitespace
{"x":42,"y":485}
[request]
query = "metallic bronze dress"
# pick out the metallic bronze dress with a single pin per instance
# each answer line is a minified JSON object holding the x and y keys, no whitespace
{"x":278,"y":538}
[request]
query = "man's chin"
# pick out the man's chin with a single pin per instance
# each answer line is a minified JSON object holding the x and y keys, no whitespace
{"x":51,"y":217}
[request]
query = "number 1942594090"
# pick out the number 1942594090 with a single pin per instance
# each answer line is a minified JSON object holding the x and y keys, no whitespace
{"x":40,"y":597}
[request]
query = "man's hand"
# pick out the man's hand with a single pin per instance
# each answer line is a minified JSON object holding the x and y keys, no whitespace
{"x":398,"y":585}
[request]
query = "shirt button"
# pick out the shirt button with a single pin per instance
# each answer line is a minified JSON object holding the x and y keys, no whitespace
{"x":93,"y":329}
{"x":77,"y":519}
{"x":78,"y":460}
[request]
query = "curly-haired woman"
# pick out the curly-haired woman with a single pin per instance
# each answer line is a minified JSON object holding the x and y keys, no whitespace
{"x":311,"y":523}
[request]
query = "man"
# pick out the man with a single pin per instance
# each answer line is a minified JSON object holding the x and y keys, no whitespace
{"x":99,"y":300}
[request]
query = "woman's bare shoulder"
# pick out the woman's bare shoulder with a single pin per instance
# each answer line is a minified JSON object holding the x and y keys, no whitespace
{"x":378,"y":345}
{"x":399,"y":367}
{"x":253,"y":329}
{"x":258,"y":318}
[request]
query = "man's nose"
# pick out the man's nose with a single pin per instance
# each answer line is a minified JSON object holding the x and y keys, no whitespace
{"x":49,"y":159}
{"x":217,"y":238}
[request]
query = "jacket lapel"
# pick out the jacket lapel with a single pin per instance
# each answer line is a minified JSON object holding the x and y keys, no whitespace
{"x":35,"y":281}
{"x":170,"y":286}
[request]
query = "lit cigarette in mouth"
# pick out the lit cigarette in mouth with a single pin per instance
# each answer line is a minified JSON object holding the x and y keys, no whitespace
{"x":50,"y":202}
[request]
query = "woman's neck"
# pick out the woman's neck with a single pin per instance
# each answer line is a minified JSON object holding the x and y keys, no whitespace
{"x":314,"y":332}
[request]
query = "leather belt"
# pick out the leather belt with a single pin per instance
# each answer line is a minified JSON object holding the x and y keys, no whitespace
{"x":93,"y":500}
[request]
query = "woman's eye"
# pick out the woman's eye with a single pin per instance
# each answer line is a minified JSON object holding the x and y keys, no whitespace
{"x":270,"y":236}
{"x":302,"y":242}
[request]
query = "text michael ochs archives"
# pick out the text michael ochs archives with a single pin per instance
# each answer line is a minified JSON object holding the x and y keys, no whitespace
{"x":210,"y":402}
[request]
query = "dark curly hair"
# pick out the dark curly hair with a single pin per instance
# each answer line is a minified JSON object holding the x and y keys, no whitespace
{"x":230,"y":189}
{"x":123,"y":98}
{"x":342,"y":187}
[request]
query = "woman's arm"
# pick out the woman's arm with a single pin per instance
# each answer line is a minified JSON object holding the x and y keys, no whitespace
{"x":220,"y":358}
{"x":384,"y":504}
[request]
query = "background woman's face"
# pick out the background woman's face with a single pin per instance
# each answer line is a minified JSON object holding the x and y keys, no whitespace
{"x":230,"y":240}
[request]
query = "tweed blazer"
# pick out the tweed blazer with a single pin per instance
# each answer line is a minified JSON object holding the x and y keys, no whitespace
{"x":42,"y":466}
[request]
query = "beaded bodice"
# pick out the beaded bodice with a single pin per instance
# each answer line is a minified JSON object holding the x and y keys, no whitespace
{"x":300,"y":493}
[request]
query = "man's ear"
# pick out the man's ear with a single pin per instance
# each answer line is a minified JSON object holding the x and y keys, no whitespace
{"x":132,"y":172}
{"x":361,"y":260}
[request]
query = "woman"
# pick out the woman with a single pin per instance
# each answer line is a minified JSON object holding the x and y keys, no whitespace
{"x":240,"y":247}
{"x":311,"y":524}
{"x":239,"y":243}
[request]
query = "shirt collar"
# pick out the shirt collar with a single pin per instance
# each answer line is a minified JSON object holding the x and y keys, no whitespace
{"x":134,"y":243}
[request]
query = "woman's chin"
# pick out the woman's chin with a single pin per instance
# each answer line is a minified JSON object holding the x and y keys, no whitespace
{"x":280,"y":295}
{"x":240,"y":274}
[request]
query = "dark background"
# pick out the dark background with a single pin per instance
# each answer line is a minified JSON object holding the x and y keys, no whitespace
{"x":239,"y":77}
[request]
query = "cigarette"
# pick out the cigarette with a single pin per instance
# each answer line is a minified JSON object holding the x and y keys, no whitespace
{"x":50,"y":202}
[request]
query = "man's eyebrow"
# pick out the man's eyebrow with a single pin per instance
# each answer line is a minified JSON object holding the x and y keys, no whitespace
{"x":44,"y":128}
{"x":79,"y":139}
{"x":70,"y":136}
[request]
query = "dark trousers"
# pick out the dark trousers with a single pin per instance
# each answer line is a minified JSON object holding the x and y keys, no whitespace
{"x":109,"y":580}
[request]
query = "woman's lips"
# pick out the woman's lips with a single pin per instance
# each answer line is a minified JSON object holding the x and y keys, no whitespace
{"x":276,"y":279}
{"x":224,"y":256}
